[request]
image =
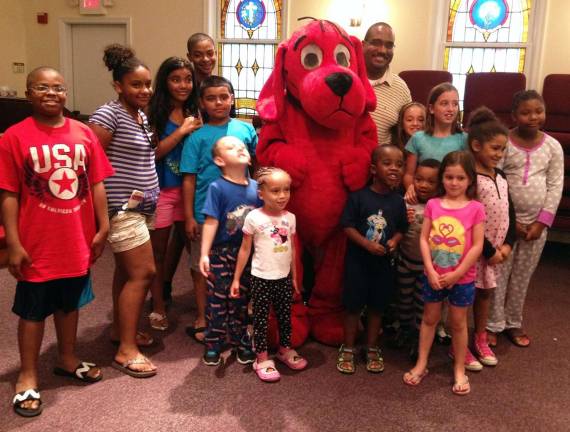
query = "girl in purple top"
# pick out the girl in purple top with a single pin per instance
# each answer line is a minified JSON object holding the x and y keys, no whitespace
{"x":451,"y":241}
{"x":132,"y":192}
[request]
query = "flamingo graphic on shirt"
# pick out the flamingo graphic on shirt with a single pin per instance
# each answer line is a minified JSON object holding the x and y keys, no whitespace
{"x":447,"y":241}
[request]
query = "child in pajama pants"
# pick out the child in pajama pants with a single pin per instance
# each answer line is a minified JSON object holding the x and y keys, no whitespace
{"x":230,"y":198}
{"x":534,"y":166}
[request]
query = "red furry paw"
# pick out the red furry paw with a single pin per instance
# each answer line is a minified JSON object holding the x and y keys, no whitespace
{"x":355,"y":169}
{"x":328,"y":328}
{"x":292,"y":160}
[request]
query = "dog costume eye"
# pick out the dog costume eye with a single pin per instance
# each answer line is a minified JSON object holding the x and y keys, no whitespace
{"x":311,"y":56}
{"x":342,"y":55}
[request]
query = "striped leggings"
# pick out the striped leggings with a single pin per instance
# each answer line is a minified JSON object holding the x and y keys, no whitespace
{"x":409,"y":274}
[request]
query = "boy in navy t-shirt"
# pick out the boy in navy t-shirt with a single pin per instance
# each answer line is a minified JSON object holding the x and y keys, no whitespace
{"x":230,"y":198}
{"x":374,"y":220}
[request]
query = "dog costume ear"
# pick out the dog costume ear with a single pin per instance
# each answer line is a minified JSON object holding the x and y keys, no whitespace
{"x":271,"y":101}
{"x":370,"y":95}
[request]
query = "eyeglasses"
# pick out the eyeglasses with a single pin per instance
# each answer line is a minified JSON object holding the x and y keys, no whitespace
{"x":42,"y":89}
{"x":149,"y":135}
{"x":379,"y":43}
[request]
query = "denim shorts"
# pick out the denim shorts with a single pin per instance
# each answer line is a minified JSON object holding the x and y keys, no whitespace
{"x":461,"y":295}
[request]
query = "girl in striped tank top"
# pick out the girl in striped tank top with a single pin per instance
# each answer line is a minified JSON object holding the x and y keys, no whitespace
{"x":132,"y":193}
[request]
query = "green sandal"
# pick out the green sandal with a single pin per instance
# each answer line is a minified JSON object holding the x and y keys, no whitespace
{"x":345,"y":360}
{"x":374,"y":360}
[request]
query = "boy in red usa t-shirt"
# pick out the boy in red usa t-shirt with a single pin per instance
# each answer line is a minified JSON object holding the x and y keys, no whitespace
{"x":54,"y":210}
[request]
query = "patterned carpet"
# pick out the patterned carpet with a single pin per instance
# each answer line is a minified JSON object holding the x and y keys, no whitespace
{"x":526,"y":391}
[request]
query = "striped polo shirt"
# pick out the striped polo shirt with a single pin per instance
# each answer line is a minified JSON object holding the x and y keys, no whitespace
{"x":131,"y":155}
{"x":392,"y":93}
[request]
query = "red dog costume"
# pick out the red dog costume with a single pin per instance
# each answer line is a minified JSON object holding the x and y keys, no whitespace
{"x":316,"y":127}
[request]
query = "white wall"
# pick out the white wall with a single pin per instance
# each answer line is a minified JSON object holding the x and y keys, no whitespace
{"x":160,"y":29}
{"x":412,"y":20}
{"x":556,"y":48}
{"x":13,"y":37}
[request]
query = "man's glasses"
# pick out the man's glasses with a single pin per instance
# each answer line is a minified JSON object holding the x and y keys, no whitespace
{"x":42,"y":89}
{"x":379,"y":43}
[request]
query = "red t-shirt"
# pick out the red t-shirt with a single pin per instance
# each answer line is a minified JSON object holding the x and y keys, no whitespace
{"x":52,"y":170}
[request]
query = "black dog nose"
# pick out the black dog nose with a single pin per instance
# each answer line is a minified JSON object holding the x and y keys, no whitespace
{"x":339,"y":83}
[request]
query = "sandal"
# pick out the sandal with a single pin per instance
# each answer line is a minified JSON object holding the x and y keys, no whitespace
{"x":461,"y":388}
{"x":127,"y":369}
{"x":27,"y":395}
{"x":266,"y":371}
{"x":158,"y":321}
{"x":292,"y":359}
{"x":80,"y":373}
{"x":518,"y":337}
{"x":345,"y":360}
{"x":193,"y":332}
{"x":412,"y":379}
{"x":143,"y":340}
{"x":374,"y":360}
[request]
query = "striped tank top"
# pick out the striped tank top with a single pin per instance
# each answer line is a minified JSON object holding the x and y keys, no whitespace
{"x":131,"y":155}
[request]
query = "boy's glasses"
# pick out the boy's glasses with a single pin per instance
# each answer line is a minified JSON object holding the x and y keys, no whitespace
{"x":42,"y":89}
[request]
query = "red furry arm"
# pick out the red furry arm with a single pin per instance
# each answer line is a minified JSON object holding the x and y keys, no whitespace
{"x":367,"y":136}
{"x":274,"y":150}
{"x":356,"y":161}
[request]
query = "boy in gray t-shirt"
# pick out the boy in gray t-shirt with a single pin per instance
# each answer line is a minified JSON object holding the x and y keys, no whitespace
{"x":410,"y":268}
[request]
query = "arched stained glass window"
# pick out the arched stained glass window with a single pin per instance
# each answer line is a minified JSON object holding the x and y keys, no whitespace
{"x":486,"y":36}
{"x":249,"y":32}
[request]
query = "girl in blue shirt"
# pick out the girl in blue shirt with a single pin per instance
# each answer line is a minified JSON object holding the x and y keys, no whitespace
{"x":442,"y":135}
{"x":174,"y":115}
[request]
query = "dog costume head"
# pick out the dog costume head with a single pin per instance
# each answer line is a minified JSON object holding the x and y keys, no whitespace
{"x":322,"y":68}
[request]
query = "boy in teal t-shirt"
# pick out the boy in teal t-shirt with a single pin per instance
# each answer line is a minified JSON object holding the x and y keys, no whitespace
{"x":197,"y":165}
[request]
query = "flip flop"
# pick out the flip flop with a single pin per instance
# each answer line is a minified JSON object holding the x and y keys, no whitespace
{"x":126,"y":367}
{"x":80,"y":372}
{"x":461,"y":389}
{"x":413,"y":379}
{"x":264,"y":374}
{"x":193,"y":331}
{"x":141,"y":336}
{"x":518,"y":337}
{"x":23,"y":396}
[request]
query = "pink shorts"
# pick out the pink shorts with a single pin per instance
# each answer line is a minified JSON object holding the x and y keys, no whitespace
{"x":169,"y":208}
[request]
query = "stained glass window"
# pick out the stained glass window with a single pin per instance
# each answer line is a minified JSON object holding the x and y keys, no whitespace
{"x":485,"y":36}
{"x":249,"y":32}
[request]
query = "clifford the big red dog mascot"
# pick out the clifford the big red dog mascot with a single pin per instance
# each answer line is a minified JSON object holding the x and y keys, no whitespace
{"x":316,"y":126}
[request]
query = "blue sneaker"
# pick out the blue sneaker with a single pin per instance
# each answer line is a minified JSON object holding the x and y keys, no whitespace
{"x":211,"y":358}
{"x":245,"y":356}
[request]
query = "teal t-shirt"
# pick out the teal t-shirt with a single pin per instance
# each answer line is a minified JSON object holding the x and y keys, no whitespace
{"x":197,"y":156}
{"x":425,"y":146}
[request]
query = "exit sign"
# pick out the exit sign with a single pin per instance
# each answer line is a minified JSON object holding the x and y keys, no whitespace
{"x":92,"y":7}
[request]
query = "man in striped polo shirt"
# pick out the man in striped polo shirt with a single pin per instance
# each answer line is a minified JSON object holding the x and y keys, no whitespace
{"x":391,"y":91}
